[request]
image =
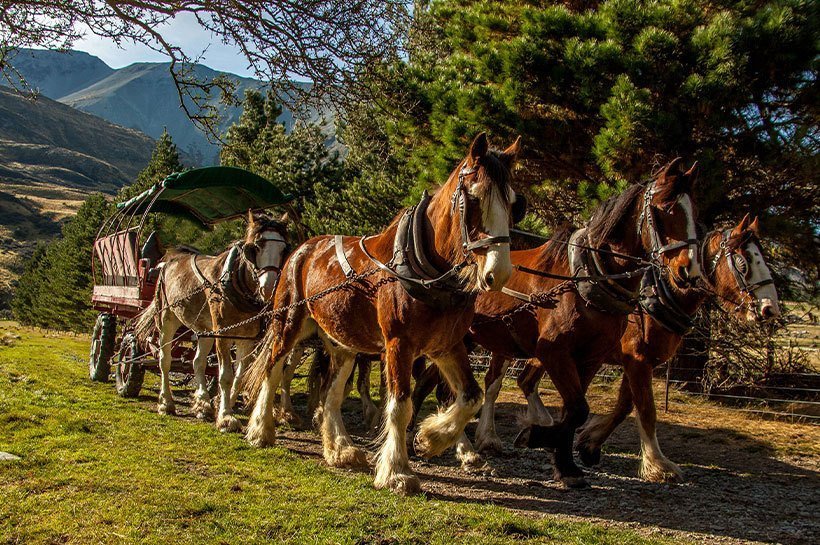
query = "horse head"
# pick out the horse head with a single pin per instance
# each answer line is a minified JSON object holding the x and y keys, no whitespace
{"x":741,"y":275}
{"x":484,"y":200}
{"x":667,"y":222}
{"x":265,"y":248}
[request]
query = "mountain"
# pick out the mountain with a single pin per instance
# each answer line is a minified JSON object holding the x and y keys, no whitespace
{"x":54,"y":74}
{"x":45,"y":142}
{"x":140,"y":96}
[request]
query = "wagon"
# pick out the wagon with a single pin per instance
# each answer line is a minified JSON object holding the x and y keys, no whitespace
{"x":126,"y":263}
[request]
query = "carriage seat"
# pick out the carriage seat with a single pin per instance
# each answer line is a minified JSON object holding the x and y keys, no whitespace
{"x":153,"y":253}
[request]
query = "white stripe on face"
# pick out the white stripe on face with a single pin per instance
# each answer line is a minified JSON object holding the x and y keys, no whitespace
{"x":766,"y":296}
{"x":495,"y":215}
{"x":271,"y":254}
{"x":692,"y":234}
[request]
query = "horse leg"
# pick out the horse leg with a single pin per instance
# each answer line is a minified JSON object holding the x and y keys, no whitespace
{"x":528,"y":381}
{"x":564,"y":374}
{"x":440,"y":431}
{"x":370,"y":412}
{"x":392,"y":464}
{"x":169,"y":325}
{"x":600,"y":427}
{"x":261,"y":431}
{"x":229,"y":382}
{"x":655,"y":467}
{"x":486,"y":438}
{"x":286,"y":411}
{"x":338,"y":447}
{"x":202,"y":406}
{"x":317,"y":385}
{"x":427,"y":378}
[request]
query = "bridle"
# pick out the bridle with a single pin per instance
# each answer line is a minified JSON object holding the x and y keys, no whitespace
{"x":739,"y":267}
{"x":459,"y":200}
{"x":256,"y":271}
{"x":658,"y":247}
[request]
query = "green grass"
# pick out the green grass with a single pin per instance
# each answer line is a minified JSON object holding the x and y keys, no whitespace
{"x":99,"y":469}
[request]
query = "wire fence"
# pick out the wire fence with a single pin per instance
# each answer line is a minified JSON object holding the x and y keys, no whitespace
{"x":799,"y":405}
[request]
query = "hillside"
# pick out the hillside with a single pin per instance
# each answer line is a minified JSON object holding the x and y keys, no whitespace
{"x":54,"y":74}
{"x":48,"y":142}
{"x":140,"y":96}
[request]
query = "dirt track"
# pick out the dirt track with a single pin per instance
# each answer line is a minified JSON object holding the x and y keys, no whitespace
{"x":738,"y":488}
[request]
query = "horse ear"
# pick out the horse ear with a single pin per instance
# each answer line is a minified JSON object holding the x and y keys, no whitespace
{"x":250,"y":216}
{"x":671,"y":182}
{"x":754,"y":227}
{"x":478,"y":149}
{"x":741,"y":227}
{"x":510,"y":155}
{"x":285,"y":218}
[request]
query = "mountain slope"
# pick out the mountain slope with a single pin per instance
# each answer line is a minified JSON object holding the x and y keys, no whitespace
{"x":48,"y":134}
{"x":54,"y":74}
{"x":143,"y":96}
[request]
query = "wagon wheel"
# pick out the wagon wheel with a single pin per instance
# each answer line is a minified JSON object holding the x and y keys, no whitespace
{"x":102,"y":347}
{"x":129,"y":373}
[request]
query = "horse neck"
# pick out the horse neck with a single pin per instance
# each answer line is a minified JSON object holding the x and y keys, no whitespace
{"x":630,"y":243}
{"x":443,"y":232}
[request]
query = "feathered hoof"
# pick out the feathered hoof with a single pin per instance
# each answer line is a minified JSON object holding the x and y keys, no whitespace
{"x":229,"y":424}
{"x":401,"y":483}
{"x":590,"y":456}
{"x":431,"y":442}
{"x":576,"y":482}
{"x":474,"y":464}
{"x":667,"y":472}
{"x":167,"y":408}
{"x":489,"y":444}
{"x":348,"y":457}
{"x":203,"y":410}
{"x":260,"y":438}
{"x":290,"y":418}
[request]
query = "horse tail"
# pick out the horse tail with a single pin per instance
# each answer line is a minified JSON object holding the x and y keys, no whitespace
{"x":146,"y":321}
{"x":257,"y":373}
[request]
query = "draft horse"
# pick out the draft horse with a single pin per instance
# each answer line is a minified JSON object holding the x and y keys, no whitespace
{"x":408,"y":291}
{"x":736,"y":274}
{"x":207,"y":293}
{"x":567,"y":302}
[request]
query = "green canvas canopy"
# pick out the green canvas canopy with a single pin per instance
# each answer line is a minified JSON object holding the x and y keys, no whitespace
{"x":209,"y":194}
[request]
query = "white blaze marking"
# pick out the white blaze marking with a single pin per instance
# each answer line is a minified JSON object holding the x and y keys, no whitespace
{"x":496,"y":219}
{"x":692,"y":234}
{"x":759,"y":271}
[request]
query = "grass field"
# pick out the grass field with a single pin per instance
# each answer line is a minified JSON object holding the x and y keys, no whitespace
{"x":95,"y":468}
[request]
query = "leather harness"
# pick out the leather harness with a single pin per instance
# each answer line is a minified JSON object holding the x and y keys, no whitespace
{"x":410,"y":266}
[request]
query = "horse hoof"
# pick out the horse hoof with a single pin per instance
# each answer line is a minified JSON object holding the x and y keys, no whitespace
{"x":490,"y":445}
{"x":259,"y":438}
{"x":348,"y":457}
{"x":574,"y":482}
{"x":168,"y":409}
{"x":229,"y":424}
{"x":401,"y":484}
{"x":589,"y":456}
{"x":659,"y":474}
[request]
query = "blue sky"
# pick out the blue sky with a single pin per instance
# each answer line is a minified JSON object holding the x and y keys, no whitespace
{"x":185,"y":32}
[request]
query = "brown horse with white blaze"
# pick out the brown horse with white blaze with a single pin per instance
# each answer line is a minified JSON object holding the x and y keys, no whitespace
{"x":571,"y":327}
{"x":345,"y":290}
{"x":734,"y":271}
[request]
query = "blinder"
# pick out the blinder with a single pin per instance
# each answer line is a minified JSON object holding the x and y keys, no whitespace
{"x":519,"y":208}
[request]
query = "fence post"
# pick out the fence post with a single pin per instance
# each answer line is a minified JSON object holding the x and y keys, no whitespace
{"x":666,"y":397}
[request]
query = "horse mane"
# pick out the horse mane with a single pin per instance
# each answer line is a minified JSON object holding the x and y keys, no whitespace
{"x":610,"y":216}
{"x":494,"y":175}
{"x":183,"y":249}
{"x":556,"y":249}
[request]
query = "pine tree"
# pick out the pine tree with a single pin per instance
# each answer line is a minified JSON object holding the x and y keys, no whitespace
{"x":606,"y":92}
